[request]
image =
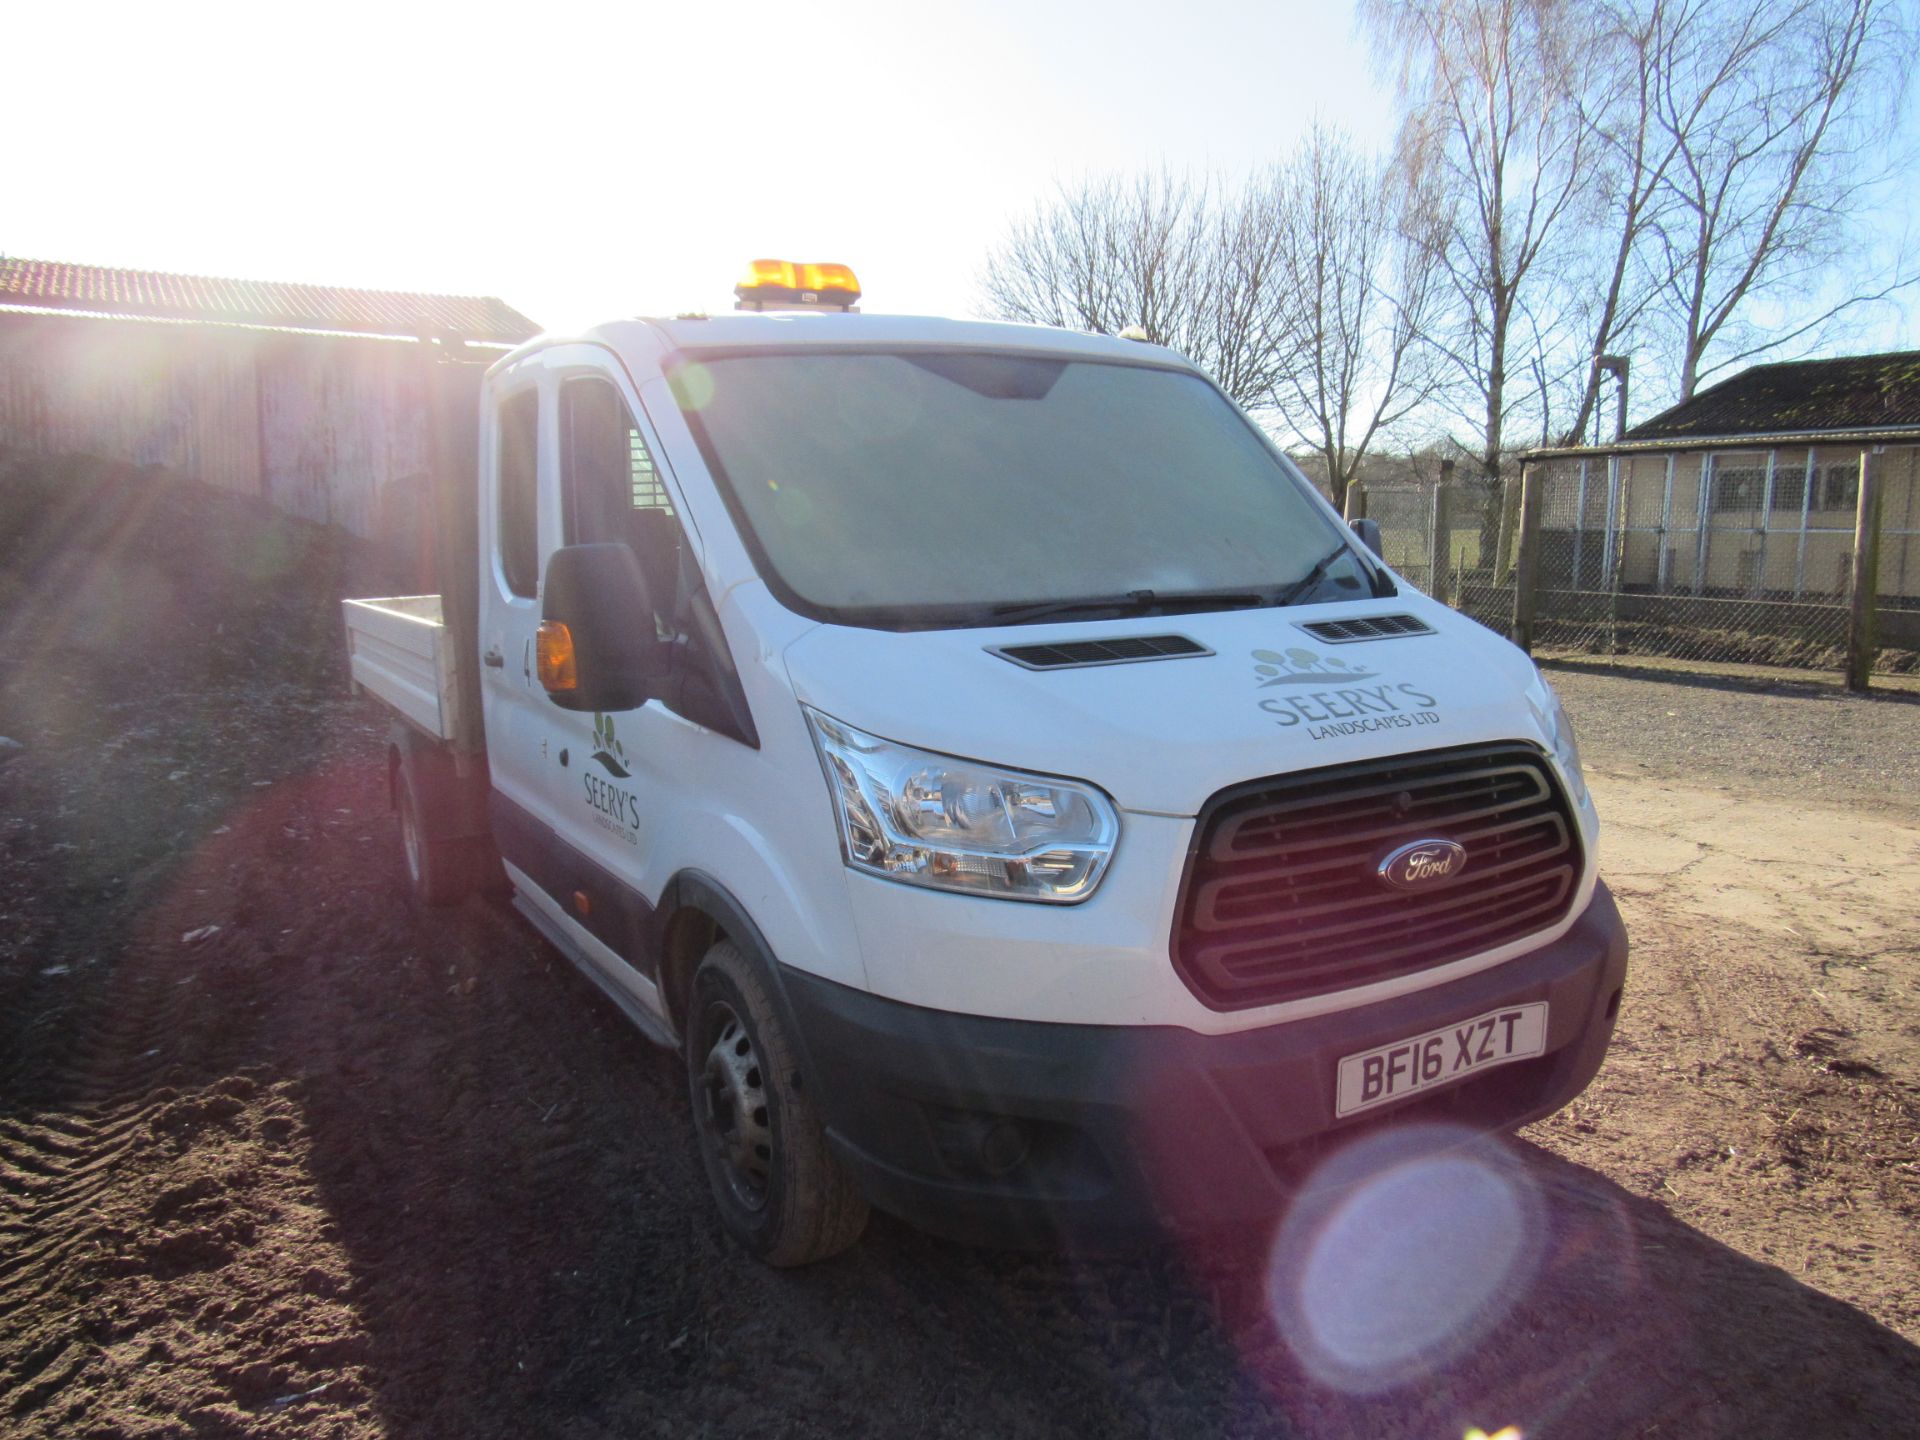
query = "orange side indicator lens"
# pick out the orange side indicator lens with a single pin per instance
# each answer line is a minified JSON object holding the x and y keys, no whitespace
{"x":555,"y":646}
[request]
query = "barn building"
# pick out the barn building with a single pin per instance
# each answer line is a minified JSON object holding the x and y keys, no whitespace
{"x":1751,"y":487}
{"x":311,"y":397}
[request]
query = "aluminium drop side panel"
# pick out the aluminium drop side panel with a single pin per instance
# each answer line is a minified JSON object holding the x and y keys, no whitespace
{"x":396,"y":651}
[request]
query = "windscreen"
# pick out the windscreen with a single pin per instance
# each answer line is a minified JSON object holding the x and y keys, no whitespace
{"x":965,"y":483}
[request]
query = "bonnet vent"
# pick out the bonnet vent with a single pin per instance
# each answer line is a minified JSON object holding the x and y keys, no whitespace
{"x":1072,"y":654}
{"x":1371,"y":627}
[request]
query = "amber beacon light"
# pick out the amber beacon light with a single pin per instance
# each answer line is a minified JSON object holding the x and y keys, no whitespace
{"x":796,"y":285}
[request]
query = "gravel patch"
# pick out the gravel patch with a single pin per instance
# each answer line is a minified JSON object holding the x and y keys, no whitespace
{"x":1783,"y":739}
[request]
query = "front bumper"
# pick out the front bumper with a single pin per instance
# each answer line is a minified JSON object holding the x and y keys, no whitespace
{"x":1020,"y":1132}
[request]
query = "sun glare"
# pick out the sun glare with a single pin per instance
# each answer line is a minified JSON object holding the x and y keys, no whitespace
{"x":1401,"y":1252}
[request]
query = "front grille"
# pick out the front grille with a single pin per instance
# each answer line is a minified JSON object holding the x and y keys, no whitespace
{"x":1281,"y":899}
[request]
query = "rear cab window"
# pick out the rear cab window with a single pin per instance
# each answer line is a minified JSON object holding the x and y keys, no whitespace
{"x":518,"y":490}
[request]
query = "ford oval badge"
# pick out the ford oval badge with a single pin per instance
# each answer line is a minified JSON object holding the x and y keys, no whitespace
{"x":1423,"y":863}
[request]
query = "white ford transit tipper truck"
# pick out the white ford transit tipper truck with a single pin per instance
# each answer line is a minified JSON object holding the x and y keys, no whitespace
{"x":984,"y":756}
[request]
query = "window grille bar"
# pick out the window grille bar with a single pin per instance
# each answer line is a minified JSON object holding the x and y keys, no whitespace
{"x":1806,"y":515}
{"x":1705,"y":514}
{"x":1766,"y":523}
{"x":1666,"y":531}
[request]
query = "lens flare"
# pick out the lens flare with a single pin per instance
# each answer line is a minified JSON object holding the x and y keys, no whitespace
{"x":1400,"y":1252}
{"x":692,"y":386}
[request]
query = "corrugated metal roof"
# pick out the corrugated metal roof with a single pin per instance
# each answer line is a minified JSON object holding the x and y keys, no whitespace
{"x":51,"y":284}
{"x":1853,"y":392}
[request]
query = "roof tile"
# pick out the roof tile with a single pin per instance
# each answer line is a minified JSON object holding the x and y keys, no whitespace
{"x":55,"y":285}
{"x":1853,"y":392}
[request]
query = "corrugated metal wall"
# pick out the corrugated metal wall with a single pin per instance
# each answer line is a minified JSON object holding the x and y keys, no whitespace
{"x":341,"y":424}
{"x":330,"y":429}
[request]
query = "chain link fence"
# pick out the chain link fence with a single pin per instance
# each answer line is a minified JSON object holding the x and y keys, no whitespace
{"x":1737,"y":556}
{"x":1450,"y":540}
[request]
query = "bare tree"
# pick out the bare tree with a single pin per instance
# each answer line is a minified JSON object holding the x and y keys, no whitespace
{"x":1492,"y":118}
{"x":1304,"y":292}
{"x":1775,"y":115}
{"x":1360,"y":270}
{"x":1194,"y":270}
{"x":1624,"y":170}
{"x":1492,"y":114}
{"x":1574,"y":180}
{"x":1631,"y":155}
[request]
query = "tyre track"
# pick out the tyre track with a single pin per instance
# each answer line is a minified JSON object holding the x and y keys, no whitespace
{"x":57,"y":1165}
{"x":157,"y":1173}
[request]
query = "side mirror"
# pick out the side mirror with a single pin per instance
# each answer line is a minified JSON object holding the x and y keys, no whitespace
{"x":1369,"y":533}
{"x":598,"y":650}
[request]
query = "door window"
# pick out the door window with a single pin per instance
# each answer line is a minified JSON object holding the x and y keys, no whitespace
{"x":612,"y":489}
{"x":611,"y":493}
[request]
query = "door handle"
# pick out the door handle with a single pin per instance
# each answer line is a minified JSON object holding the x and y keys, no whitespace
{"x":494,"y":658}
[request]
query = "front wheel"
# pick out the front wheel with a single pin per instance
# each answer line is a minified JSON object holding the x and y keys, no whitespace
{"x":782,"y":1192}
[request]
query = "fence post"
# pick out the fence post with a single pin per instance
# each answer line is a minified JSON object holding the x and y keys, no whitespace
{"x":1526,"y":564}
{"x":1438,"y":543}
{"x":1619,"y":500}
{"x":1356,"y":502}
{"x":1866,"y":576}
{"x":1579,"y":524}
{"x":1616,"y":521}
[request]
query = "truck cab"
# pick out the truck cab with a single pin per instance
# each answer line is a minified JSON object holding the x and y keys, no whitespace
{"x":1022,"y":800}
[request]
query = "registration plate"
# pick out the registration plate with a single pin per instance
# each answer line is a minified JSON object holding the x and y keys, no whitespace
{"x":1440,"y":1057}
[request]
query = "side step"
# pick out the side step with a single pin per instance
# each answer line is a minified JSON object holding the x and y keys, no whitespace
{"x":648,"y":1023}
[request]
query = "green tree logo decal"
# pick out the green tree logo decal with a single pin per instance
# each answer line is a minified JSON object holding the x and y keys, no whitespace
{"x":606,"y":746}
{"x":1303,"y":667}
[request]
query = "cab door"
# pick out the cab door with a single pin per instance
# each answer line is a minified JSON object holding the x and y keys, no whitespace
{"x":613,"y":792}
{"x":582,"y":800}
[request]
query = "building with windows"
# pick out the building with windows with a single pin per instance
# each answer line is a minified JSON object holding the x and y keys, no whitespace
{"x":1749,"y":489}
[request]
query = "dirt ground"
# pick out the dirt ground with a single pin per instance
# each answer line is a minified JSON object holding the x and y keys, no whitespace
{"x":281,"y":1157}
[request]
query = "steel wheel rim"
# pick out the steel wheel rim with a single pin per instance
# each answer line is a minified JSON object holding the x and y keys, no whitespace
{"x":736,"y":1119}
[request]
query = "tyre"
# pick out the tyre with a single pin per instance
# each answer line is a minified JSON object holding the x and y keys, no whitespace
{"x":783,"y":1194}
{"x":439,"y":872}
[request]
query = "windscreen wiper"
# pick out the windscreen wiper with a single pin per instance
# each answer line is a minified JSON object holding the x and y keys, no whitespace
{"x":1313,"y":577}
{"x":1133,"y":602}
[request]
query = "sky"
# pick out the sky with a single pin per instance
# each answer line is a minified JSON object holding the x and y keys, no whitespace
{"x":588,"y":161}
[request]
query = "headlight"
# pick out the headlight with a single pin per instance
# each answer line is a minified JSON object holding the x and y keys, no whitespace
{"x":1559,"y":728}
{"x":927,"y":819}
